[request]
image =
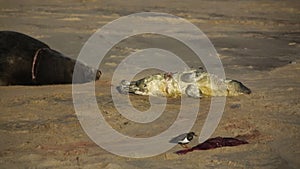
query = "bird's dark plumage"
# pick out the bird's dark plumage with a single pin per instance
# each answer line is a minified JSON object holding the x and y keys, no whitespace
{"x":183,"y":139}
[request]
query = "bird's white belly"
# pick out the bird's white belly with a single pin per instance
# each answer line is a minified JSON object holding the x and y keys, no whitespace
{"x":184,"y":141}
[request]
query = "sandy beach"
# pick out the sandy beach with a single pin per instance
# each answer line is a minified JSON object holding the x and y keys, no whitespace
{"x":258,"y":43}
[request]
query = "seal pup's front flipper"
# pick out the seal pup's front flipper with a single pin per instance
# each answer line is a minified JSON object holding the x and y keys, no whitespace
{"x":193,"y":91}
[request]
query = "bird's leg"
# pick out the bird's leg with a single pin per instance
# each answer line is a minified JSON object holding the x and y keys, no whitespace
{"x":184,"y":146}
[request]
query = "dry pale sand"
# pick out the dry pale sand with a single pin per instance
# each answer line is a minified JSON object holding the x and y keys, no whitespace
{"x":258,"y":42}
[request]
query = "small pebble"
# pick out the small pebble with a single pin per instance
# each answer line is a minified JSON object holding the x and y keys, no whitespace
{"x":235,"y":106}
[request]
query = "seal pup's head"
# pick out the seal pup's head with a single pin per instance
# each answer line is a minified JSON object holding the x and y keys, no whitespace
{"x":137,"y":87}
{"x":235,"y":88}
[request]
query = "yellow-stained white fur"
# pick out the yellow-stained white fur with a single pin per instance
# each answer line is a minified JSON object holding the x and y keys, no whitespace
{"x":193,"y":83}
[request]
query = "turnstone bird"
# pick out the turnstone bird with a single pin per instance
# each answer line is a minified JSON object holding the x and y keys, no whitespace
{"x":183,"y":139}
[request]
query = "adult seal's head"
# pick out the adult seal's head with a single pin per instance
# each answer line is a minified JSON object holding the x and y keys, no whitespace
{"x":28,"y":61}
{"x":51,"y":67}
{"x":83,"y":73}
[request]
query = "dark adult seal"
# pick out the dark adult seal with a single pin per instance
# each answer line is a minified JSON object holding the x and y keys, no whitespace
{"x":28,"y":61}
